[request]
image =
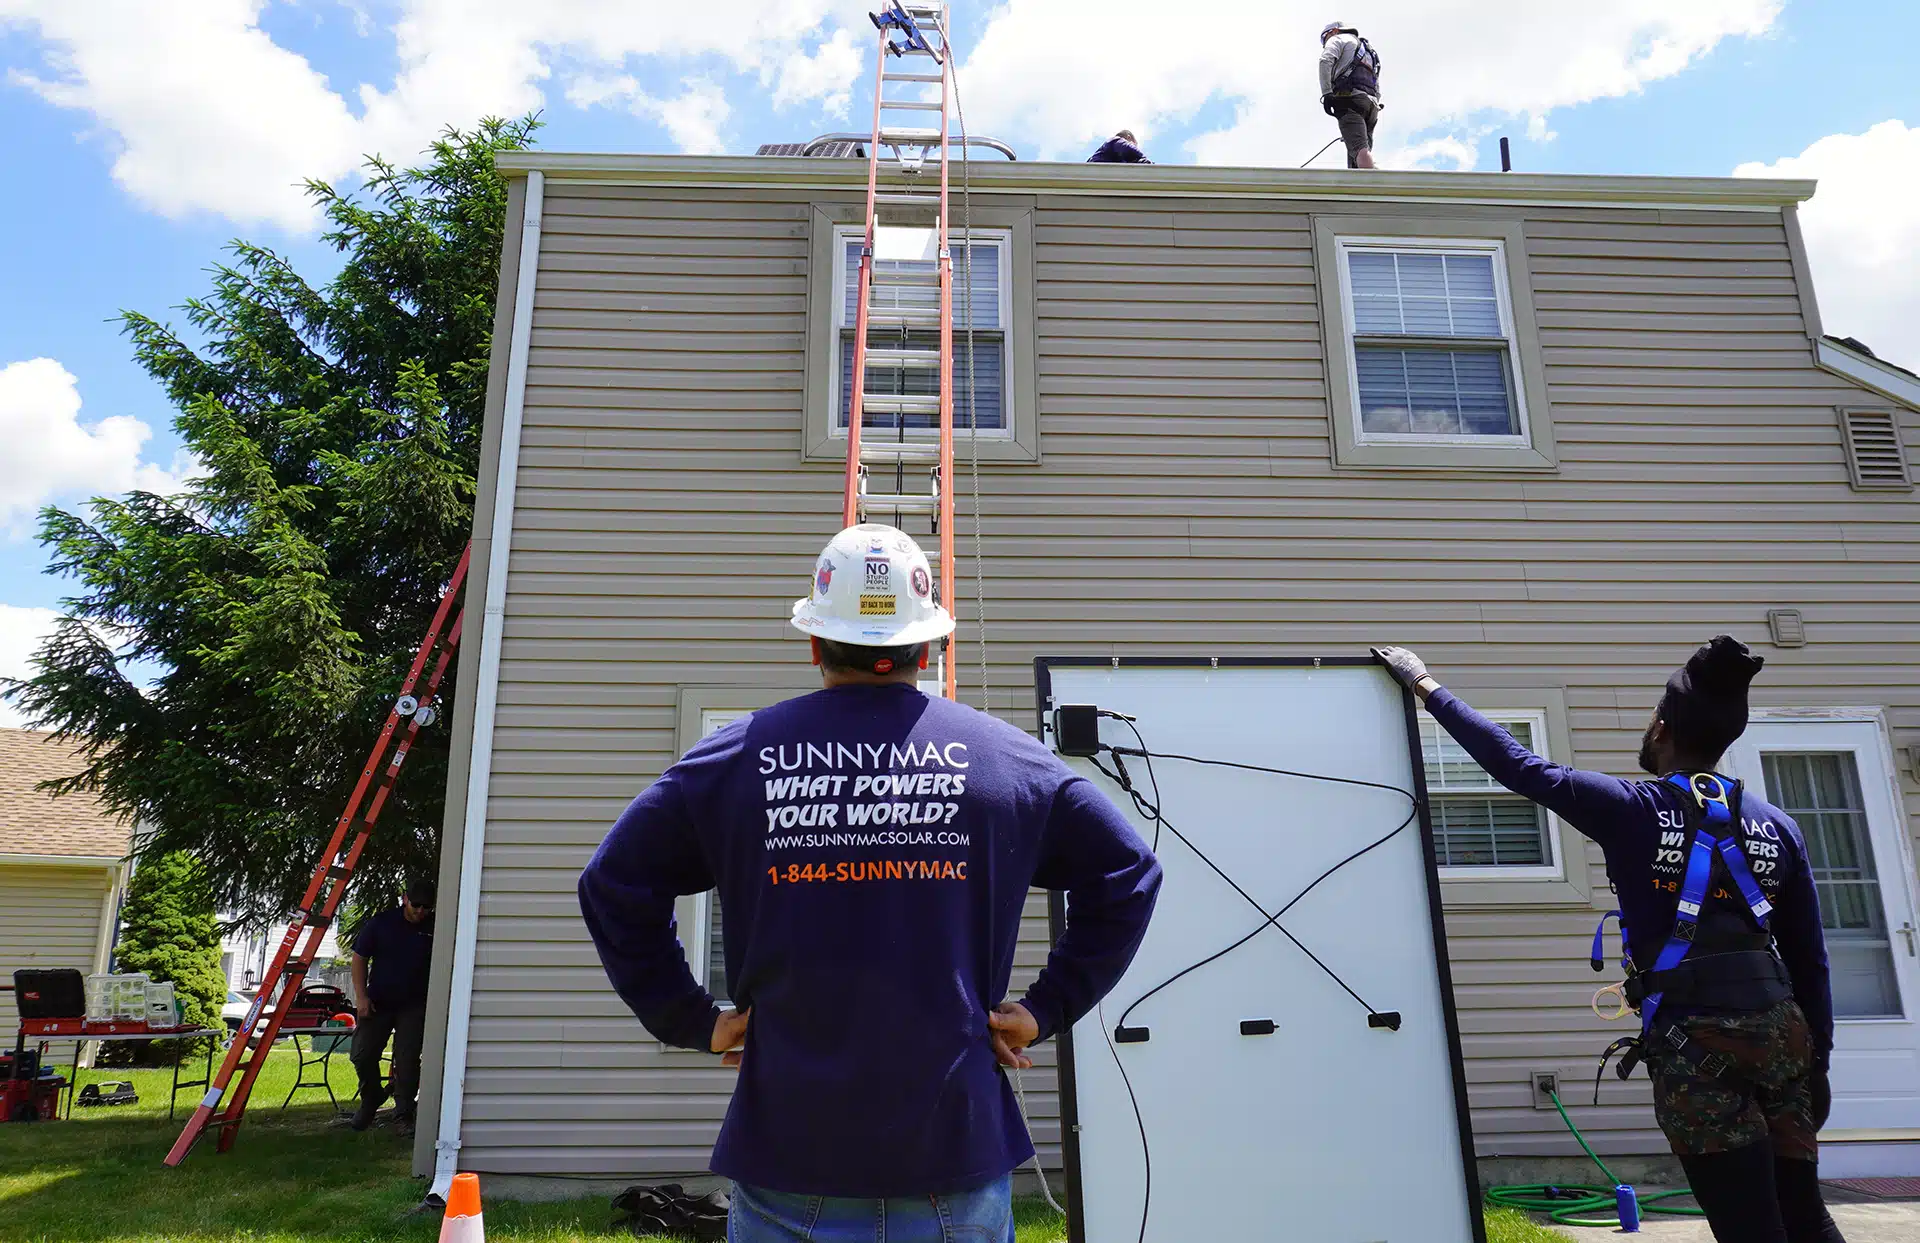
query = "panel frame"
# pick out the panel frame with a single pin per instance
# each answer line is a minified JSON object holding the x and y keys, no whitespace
{"x":1043,"y":667}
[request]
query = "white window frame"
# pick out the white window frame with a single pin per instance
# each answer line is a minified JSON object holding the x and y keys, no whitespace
{"x":1555,"y":868}
{"x":1002,"y":239}
{"x":699,"y":945}
{"x":1496,"y":251}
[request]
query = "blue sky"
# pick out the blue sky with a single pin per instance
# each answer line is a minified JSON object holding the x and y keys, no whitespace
{"x":141,"y":141}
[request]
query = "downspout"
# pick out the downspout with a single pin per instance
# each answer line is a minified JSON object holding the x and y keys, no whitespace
{"x":453,"y":1070}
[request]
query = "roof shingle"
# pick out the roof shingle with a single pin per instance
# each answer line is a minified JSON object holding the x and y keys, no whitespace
{"x":34,"y":823}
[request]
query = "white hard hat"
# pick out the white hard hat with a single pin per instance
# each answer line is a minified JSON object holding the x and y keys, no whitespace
{"x":872,"y":588}
{"x":1332,"y":28}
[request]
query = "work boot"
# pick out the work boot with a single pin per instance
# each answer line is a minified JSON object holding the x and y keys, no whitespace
{"x":404,"y":1124}
{"x":363,"y":1116}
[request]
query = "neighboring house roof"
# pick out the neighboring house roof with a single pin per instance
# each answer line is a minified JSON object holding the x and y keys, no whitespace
{"x":32,"y":822}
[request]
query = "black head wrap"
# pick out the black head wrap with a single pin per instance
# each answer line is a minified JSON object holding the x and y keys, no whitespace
{"x":1705,"y":705}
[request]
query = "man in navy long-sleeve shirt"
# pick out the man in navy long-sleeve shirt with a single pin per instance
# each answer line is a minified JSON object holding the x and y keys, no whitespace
{"x":1747,"y":1136}
{"x":1122,"y":148}
{"x":873,"y":849}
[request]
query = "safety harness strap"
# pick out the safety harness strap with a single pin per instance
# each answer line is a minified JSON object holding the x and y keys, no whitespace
{"x":1740,"y":980}
{"x":1718,"y":801}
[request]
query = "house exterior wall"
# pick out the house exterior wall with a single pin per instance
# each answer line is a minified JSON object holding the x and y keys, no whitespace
{"x":51,"y":916}
{"x":1186,"y":500}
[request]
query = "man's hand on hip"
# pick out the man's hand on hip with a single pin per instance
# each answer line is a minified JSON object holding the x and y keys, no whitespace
{"x":730,"y":1035}
{"x":1010,"y":1029}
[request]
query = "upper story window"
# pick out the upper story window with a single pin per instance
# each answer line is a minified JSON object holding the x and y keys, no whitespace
{"x":905,"y":309}
{"x":1479,"y":827}
{"x":1433,"y":347}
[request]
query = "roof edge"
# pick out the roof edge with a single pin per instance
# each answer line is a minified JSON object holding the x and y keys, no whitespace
{"x":62,"y":861}
{"x":1890,"y":381}
{"x":1735,"y":193}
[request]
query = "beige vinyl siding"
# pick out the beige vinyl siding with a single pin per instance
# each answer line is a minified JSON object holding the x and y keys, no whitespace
{"x":1186,"y":501}
{"x":49,"y":917}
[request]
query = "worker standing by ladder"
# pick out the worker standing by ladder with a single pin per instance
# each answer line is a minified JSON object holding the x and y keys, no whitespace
{"x":889,"y":370}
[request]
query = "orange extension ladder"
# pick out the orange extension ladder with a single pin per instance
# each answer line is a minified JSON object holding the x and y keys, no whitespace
{"x":903,"y":323}
{"x":247,"y":1050}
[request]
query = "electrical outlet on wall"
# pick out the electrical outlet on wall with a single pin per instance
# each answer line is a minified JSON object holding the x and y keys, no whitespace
{"x":1546,"y":1086}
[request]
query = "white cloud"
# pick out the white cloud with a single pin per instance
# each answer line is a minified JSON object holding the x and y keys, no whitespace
{"x":51,"y":453}
{"x":204,"y":110}
{"x":1862,"y":228}
{"x":207,"y":114}
{"x":1447,"y":68}
{"x":692,"y":119}
{"x":827,"y":75}
{"x":21,"y":633}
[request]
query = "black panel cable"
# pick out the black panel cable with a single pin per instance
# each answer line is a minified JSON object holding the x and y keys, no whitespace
{"x":1150,"y":810}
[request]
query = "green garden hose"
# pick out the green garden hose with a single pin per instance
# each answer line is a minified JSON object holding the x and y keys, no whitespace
{"x":1582,"y":1204}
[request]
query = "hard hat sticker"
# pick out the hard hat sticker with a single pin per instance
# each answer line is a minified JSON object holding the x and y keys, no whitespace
{"x":878,"y":606}
{"x":922,"y":585}
{"x":824,"y":577}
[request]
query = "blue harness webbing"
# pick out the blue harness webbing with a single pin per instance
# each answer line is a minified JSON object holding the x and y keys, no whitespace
{"x":1716,"y":798}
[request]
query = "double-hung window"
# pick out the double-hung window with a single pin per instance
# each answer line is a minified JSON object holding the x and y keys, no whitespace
{"x":1432,"y":346}
{"x":906,"y":300}
{"x":1479,"y":827}
{"x":1433,"y":342}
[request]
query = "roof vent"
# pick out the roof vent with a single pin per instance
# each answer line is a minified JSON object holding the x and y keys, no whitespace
{"x":1875,"y":456}
{"x":836,"y":149}
{"x":1787,"y":628}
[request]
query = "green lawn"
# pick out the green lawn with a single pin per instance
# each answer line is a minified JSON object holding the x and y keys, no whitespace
{"x":1510,"y":1225}
{"x":293,"y":1177}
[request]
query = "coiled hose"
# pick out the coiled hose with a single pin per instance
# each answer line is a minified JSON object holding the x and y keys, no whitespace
{"x":1583,"y":1204}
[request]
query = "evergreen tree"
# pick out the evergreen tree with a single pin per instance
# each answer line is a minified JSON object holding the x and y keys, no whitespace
{"x":283,"y":594}
{"x":168,"y":930}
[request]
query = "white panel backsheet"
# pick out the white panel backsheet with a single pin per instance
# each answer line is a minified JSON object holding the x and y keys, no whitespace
{"x":1326,"y":1129}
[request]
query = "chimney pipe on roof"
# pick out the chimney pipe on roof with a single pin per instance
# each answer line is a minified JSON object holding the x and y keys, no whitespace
{"x":1506,"y":156}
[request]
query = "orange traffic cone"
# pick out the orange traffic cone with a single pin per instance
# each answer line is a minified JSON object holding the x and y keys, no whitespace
{"x":462,"y":1223}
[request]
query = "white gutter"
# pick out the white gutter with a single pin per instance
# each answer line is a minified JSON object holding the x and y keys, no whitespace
{"x":453,"y":1068}
{"x":64,"y":861}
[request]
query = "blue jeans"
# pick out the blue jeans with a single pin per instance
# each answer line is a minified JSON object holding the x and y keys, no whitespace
{"x":982,"y":1215}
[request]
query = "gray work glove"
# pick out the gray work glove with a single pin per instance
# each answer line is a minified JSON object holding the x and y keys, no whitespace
{"x":1407,"y":669}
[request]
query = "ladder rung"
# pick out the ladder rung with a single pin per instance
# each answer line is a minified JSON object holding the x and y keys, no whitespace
{"x":900,"y":403}
{"x":923,"y":278}
{"x":898,"y":451}
{"x":903,"y":358}
{"x":913,"y":77}
{"x":903,"y":317}
{"x":904,"y":502}
{"x":904,"y":137}
{"x":918,"y":105}
{"x":907,"y":200}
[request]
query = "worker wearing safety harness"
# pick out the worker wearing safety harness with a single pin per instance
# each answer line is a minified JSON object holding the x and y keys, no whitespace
{"x":872,"y":849}
{"x":1350,"y":89}
{"x":1721,"y":921}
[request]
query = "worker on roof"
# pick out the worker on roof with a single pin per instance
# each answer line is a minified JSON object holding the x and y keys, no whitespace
{"x":1122,"y":148}
{"x":1350,"y":89}
{"x":1727,"y":961}
{"x":872,"y":849}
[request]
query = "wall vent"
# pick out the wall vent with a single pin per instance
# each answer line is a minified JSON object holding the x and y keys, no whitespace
{"x":1875,"y":456}
{"x":1787,"y":628}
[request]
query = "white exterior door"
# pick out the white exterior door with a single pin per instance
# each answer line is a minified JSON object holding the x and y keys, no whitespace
{"x":1834,"y":777}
